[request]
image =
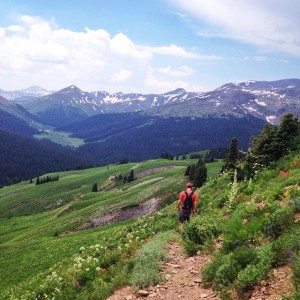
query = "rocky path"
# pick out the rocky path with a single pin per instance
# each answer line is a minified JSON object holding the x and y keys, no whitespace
{"x":182,"y":280}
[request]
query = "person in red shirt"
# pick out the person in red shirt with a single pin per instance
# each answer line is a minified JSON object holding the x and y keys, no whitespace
{"x":187,"y":203}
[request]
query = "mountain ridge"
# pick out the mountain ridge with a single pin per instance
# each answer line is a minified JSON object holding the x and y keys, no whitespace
{"x":267,"y":100}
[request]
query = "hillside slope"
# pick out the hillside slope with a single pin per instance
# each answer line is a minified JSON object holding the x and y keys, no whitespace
{"x":233,"y":222}
{"x":23,"y":157}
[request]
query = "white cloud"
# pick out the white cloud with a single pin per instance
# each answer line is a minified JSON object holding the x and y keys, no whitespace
{"x":176,"y":51}
{"x":123,"y":75}
{"x":273,"y":25}
{"x":39,"y":52}
{"x":181,"y":71}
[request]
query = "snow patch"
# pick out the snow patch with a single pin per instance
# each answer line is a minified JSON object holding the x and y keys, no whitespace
{"x":112,"y":99}
{"x":252,"y":109}
{"x":270,"y":118}
{"x":261,"y":103}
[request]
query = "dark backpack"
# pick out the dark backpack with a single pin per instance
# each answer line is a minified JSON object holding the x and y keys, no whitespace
{"x":188,"y":202}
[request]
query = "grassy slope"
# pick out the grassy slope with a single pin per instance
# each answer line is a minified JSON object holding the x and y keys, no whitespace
{"x":240,"y":217}
{"x":32,"y":216}
{"x":256,"y":224}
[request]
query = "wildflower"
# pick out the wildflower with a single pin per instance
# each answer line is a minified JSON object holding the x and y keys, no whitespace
{"x":290,"y":260}
{"x":236,"y":243}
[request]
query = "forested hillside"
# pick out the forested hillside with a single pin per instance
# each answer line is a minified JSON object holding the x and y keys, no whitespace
{"x":23,"y":158}
{"x":10,"y":123}
{"x":137,"y":137}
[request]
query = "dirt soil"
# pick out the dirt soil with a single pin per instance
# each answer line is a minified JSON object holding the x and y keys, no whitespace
{"x":183,"y":281}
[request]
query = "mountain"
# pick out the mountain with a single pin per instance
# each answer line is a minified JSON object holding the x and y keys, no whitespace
{"x":24,"y":94}
{"x":14,"y":117}
{"x":267,"y":100}
{"x":65,"y":106}
{"x":72,"y":104}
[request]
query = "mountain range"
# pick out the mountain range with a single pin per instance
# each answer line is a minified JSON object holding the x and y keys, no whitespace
{"x":266,"y":100}
{"x":138,"y":126}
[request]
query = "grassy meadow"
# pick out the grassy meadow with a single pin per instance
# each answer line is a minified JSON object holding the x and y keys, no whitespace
{"x":250,"y":228}
{"x":37,"y":222}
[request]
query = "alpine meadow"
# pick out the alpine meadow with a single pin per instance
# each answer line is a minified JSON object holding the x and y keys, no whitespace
{"x":61,"y":240}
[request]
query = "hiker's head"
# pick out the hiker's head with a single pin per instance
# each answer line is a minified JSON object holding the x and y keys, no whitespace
{"x":189,"y":185}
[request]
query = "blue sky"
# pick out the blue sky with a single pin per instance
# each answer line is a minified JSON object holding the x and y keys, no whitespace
{"x":147,"y":46}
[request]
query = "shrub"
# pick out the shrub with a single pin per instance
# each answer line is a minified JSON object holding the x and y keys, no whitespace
{"x":256,"y":271}
{"x":286,"y":246}
{"x":201,"y":230}
{"x":296,"y":273}
{"x":279,"y":222}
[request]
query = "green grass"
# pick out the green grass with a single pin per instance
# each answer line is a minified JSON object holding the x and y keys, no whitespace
{"x":60,"y":137}
{"x":41,"y":259}
{"x":144,"y":268}
{"x":34,"y":218}
{"x":261,"y":225}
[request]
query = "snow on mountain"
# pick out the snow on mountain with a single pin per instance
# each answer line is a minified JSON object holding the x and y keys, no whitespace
{"x":262,"y":99}
{"x":24,"y":94}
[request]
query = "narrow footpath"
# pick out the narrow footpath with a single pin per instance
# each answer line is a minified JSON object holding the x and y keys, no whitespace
{"x":182,"y":280}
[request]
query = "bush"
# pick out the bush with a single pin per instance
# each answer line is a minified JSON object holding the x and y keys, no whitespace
{"x":256,"y":271}
{"x":286,"y":246}
{"x":279,"y":222}
{"x":201,"y":230}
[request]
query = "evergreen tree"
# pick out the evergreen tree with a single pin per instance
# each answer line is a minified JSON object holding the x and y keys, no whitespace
{"x":95,"y":187}
{"x":231,"y":159}
{"x":192,"y":172}
{"x":130,"y":177}
{"x":187,"y":171}
{"x":200,"y":175}
{"x":273,"y":143}
{"x":288,"y":131}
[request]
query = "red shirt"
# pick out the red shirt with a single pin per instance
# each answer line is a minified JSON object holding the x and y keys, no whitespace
{"x":182,"y":197}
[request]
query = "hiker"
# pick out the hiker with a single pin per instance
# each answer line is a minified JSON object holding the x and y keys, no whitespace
{"x":187,"y":203}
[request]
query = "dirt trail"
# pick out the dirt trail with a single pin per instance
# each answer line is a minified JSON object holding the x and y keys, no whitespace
{"x":182,"y":280}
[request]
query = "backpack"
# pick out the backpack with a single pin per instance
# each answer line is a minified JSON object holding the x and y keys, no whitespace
{"x":188,"y":202}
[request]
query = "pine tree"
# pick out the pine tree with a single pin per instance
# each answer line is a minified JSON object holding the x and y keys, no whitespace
{"x":130,"y":177}
{"x":288,"y":131}
{"x":200,"y":176}
{"x":187,"y":171}
{"x":95,"y":187}
{"x":192,"y":172}
{"x":231,"y":159}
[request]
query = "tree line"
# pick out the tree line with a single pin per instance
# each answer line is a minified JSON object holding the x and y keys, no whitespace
{"x":273,"y":143}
